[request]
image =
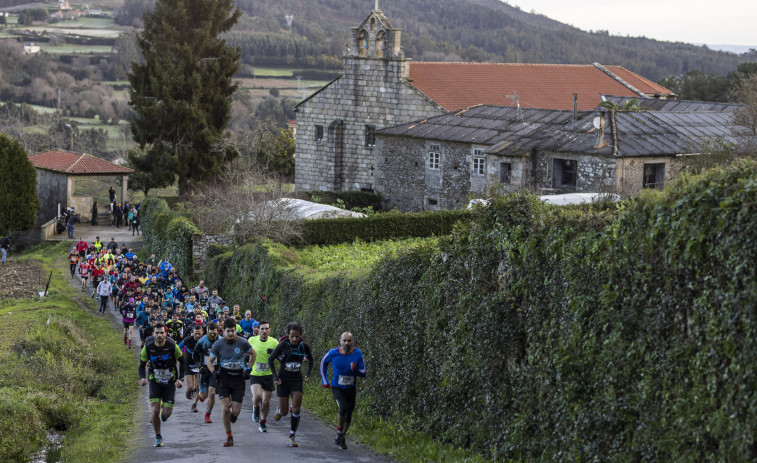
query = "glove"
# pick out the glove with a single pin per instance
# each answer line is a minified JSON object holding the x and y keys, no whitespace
{"x":327,"y":385}
{"x":246,"y":374}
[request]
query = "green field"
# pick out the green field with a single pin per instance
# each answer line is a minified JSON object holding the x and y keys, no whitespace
{"x":274,"y":72}
{"x":103,"y":23}
{"x":70,"y":49}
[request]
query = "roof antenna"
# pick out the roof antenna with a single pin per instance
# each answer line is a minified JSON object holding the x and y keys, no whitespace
{"x":516,"y":99}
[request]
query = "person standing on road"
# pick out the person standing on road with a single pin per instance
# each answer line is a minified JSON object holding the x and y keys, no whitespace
{"x":70,"y":226}
{"x":135,"y":224}
{"x":230,"y":353}
{"x":164,"y":376}
{"x":5,"y":245}
{"x":291,"y":353}
{"x":208,"y":384}
{"x":73,"y":261}
{"x":347,"y":364}
{"x":261,"y":380}
{"x":103,"y":290}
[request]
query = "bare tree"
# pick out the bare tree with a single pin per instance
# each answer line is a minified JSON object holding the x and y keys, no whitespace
{"x":247,"y":201}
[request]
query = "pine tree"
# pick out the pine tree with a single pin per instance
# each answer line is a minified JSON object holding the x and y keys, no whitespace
{"x":19,"y":203}
{"x":182,"y":92}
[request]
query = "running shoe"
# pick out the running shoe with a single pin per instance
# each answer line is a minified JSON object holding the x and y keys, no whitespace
{"x":342,"y":442}
{"x":207,"y":418}
{"x":158,"y":442}
{"x":262,"y":428}
{"x":229,"y":442}
{"x":255,"y":414}
{"x":194,"y":408}
{"x":277,"y":414}
{"x":292,"y":443}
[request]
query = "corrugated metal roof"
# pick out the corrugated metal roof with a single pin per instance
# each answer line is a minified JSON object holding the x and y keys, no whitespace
{"x":656,"y":104}
{"x":517,"y":131}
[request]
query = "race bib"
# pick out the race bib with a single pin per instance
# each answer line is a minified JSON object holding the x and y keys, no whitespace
{"x":195,"y":369}
{"x":346,"y":380}
{"x":292,"y":366}
{"x":129,"y":314}
{"x":262,"y":366}
{"x":233,"y":366}
{"x":162,"y":375}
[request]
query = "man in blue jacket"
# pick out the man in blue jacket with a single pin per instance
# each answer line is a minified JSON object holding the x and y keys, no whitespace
{"x":347,"y":364}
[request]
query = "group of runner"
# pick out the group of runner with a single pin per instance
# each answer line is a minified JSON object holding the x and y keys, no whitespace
{"x":189,"y":336}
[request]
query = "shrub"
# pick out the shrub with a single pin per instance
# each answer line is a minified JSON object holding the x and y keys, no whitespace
{"x":382,"y":226}
{"x":572,"y":334}
{"x":168,"y":234}
{"x":19,"y":203}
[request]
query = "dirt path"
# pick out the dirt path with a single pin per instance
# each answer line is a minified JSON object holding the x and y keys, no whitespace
{"x":188,"y":438}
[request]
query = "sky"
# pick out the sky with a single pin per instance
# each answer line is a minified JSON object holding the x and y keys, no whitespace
{"x":732,"y":22}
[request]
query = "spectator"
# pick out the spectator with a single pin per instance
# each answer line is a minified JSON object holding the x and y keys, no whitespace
{"x":94,"y":213}
{"x":112,"y":196}
{"x":113,"y":246}
{"x":5,"y":244}
{"x":117,"y":215}
{"x":70,"y":226}
{"x":135,"y":224}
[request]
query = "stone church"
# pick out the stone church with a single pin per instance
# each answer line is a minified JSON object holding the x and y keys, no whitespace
{"x":380,"y":87}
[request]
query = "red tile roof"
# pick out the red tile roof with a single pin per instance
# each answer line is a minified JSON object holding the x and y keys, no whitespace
{"x":549,"y":86}
{"x":76,"y":164}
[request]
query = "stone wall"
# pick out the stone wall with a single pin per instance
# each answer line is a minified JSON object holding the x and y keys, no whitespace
{"x":630,"y":180}
{"x":372,"y":92}
{"x":201,"y":243}
{"x":51,"y":190}
{"x":595,"y":173}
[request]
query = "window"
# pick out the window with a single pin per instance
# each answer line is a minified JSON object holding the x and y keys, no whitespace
{"x":318,"y":133}
{"x":380,"y":44}
{"x":362,"y":40}
{"x":565,"y":173}
{"x":432,"y":202}
{"x":434,"y":157}
{"x":654,"y":176}
{"x":505,"y":171}
{"x":479,"y":162}
{"x":370,"y":135}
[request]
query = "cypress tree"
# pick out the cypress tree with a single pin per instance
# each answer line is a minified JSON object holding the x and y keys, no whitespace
{"x":19,"y":203}
{"x":182,"y":92}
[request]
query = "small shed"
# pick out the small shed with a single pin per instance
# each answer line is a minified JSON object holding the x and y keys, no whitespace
{"x":57,"y":172}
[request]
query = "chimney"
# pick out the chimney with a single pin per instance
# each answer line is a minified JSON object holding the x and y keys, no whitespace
{"x":575,"y":106}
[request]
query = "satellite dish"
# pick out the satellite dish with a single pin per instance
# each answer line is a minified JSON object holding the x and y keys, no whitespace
{"x":597,"y":122}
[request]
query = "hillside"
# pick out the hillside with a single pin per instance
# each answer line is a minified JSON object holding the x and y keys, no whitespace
{"x":461,"y":30}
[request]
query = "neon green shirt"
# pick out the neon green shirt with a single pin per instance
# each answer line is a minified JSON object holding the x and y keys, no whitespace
{"x":263,"y":350}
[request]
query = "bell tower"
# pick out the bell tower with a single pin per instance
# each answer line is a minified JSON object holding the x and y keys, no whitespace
{"x":375,"y":38}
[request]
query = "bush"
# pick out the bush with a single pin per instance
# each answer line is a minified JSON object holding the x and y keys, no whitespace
{"x":19,"y":203}
{"x":168,"y":234}
{"x":573,"y":334}
{"x":382,"y":226}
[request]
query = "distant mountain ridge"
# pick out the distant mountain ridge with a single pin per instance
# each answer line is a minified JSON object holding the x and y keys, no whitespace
{"x":464,"y":30}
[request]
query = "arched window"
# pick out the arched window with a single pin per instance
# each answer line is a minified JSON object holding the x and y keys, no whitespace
{"x":380,"y":44}
{"x":373,"y":24}
{"x":362,"y":40}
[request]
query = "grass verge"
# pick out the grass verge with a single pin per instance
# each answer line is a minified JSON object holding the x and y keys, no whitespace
{"x":62,"y":368}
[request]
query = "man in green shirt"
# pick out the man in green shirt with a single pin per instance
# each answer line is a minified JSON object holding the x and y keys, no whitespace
{"x":261,"y":378}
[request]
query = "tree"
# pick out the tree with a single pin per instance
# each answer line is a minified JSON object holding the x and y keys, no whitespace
{"x":745,"y":118}
{"x":19,"y":203}
{"x":182,"y":92}
{"x":147,"y":176}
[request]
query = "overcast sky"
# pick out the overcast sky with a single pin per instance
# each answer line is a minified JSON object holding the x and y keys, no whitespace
{"x":732,"y":22}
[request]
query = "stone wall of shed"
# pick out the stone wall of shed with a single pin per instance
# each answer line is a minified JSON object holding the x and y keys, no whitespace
{"x":630,"y":177}
{"x":201,"y":243}
{"x":51,"y":190}
{"x":371,"y":92}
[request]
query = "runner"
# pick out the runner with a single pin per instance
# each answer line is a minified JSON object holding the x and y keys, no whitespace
{"x":261,"y":381}
{"x":81,"y":248}
{"x":73,"y":261}
{"x":103,"y":290}
{"x":164,"y":376}
{"x":290,"y":353}
{"x":201,"y":353}
{"x":346,"y":364}
{"x":84,"y":269}
{"x":188,"y":345}
{"x":246,"y":324}
{"x":129,"y":314}
{"x":230,"y":353}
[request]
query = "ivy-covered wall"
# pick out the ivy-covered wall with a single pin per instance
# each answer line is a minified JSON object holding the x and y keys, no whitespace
{"x":168,"y":234}
{"x":537,"y":333}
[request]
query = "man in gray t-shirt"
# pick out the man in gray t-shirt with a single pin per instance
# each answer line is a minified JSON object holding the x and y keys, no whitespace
{"x":232,"y":372}
{"x":214,"y":302}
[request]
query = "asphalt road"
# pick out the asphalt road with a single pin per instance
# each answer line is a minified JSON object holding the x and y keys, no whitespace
{"x":187,"y":438}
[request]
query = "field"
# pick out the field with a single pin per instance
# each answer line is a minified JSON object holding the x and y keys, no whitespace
{"x":72,"y":49}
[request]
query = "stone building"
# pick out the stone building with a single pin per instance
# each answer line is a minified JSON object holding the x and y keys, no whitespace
{"x":380,"y":87}
{"x":442,"y":162}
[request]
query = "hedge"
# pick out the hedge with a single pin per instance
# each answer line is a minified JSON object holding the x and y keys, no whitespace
{"x":167,"y":234}
{"x":382,"y":226}
{"x":539,"y":333}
